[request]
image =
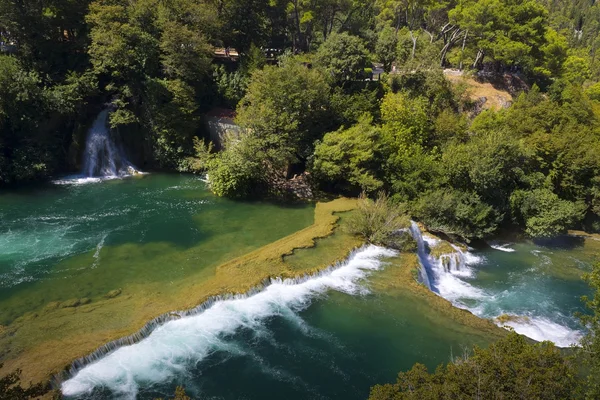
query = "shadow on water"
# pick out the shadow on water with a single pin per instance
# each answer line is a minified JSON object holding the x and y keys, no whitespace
{"x":563,"y":242}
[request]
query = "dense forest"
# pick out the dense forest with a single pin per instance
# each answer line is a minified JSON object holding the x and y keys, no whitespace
{"x":533,"y":166}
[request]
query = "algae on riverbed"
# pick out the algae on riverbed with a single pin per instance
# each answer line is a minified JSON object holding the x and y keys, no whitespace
{"x":42,"y":343}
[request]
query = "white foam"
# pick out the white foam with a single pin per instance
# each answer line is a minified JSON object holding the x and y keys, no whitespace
{"x":172,"y":347}
{"x":541,"y":329}
{"x":75,"y":180}
{"x":502,"y":247}
{"x":81,"y":180}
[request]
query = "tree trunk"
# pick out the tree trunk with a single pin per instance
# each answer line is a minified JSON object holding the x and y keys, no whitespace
{"x":479,"y":58}
{"x":462,"y":50}
{"x":414,"y":47}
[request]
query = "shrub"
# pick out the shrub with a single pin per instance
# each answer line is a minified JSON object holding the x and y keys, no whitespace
{"x":381,"y":222}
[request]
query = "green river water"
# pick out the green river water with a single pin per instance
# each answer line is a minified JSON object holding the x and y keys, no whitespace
{"x":331,"y":336}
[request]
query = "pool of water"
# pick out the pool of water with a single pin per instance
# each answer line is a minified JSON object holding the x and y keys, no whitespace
{"x":329,"y":337}
{"x":535,"y":287}
{"x":80,"y":241}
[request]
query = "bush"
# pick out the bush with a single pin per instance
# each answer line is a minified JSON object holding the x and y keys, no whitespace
{"x":457,"y":213}
{"x":543,"y":213}
{"x":509,"y":369}
{"x":381,"y":222}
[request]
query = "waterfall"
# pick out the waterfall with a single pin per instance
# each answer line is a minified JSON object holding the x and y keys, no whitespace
{"x":438,"y":272}
{"x":446,"y":271}
{"x":425,"y":270}
{"x":102,"y":156}
{"x":181,"y":340}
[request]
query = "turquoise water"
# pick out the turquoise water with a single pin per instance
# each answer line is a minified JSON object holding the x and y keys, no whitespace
{"x":535,"y":287}
{"x":330,"y":337}
{"x":73,"y":240}
{"x":336,"y":335}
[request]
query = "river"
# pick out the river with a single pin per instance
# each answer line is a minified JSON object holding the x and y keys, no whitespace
{"x":65,"y":247}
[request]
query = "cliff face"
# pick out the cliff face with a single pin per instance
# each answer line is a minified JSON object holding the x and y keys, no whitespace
{"x":219,"y":123}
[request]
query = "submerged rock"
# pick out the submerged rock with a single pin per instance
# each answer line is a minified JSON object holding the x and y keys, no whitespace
{"x":75,"y":302}
{"x":112,"y":294}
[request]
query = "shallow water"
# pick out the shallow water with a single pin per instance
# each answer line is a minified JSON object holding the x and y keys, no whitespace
{"x":332,"y":336}
{"x":72,"y":241}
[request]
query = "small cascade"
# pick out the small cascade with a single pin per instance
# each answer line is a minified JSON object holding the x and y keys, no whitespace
{"x":425,"y":270}
{"x":165,"y":345}
{"x":102,"y":156}
{"x":435,"y":271}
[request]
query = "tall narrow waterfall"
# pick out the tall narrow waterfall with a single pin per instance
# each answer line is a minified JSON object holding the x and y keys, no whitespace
{"x":425,"y":270}
{"x":437,"y":272}
{"x":102,"y":156}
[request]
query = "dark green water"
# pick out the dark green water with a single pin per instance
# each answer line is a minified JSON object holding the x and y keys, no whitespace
{"x":329,"y":337}
{"x":72,"y":241}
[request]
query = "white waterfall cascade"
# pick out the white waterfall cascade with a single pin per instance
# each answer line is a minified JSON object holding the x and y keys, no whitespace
{"x":442,"y":274}
{"x":184,"y":342}
{"x":448,"y":276}
{"x":103,"y":157}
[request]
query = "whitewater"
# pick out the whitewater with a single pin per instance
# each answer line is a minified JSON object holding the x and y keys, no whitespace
{"x":175,"y":346}
{"x":103,"y":157}
{"x":526,"y":309}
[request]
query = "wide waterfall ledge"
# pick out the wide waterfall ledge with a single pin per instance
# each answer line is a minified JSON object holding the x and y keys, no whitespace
{"x":185,"y":338}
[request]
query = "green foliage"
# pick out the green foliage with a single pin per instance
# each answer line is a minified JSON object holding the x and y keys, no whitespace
{"x":25,"y":152}
{"x":543,"y":213}
{"x":509,"y":32}
{"x":387,"y":43}
{"x":239,"y":171}
{"x":381,"y":222}
{"x":153,"y":57}
{"x":405,"y":120}
{"x":287,"y":106}
{"x":456,"y":213}
{"x":231,"y":86}
{"x":343,"y":56}
{"x":511,"y":368}
{"x":349,"y":157}
{"x":590,"y":343}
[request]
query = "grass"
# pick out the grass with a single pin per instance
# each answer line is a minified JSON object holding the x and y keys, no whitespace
{"x":496,"y":99}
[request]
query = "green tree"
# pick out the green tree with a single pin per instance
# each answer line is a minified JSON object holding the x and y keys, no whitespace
{"x":457,"y":213}
{"x":387,"y":42}
{"x":343,"y":56}
{"x":510,"y":32}
{"x":152,"y":58}
{"x":590,"y":344}
{"x":511,"y":368}
{"x":349,"y":158}
{"x":543,"y":213}
{"x":287,"y":106}
{"x":240,"y":171}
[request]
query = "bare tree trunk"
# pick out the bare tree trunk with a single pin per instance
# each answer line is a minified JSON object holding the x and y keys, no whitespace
{"x":479,"y":58}
{"x":448,"y":45}
{"x":430,"y":35}
{"x":462,"y":50}
{"x":414,"y":47}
